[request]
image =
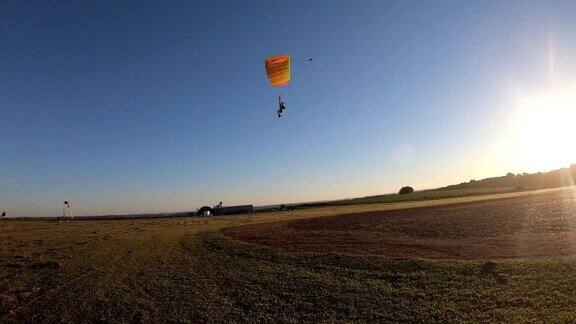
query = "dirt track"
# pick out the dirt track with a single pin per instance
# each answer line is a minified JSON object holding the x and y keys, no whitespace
{"x":542,"y":225}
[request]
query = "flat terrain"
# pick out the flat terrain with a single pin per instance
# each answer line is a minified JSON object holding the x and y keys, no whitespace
{"x":186,"y":269}
{"x":524,"y":226}
{"x":417,"y":195}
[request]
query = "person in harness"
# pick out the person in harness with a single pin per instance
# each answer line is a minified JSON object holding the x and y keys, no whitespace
{"x":281,"y":107}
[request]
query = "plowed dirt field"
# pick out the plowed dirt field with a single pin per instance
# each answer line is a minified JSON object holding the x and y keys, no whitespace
{"x":532,"y":226}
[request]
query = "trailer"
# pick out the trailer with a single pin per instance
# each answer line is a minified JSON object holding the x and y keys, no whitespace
{"x":230,"y":210}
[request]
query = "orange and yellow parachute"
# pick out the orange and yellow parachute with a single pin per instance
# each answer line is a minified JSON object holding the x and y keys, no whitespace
{"x":278,"y":70}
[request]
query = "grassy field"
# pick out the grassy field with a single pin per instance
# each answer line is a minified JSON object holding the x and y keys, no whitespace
{"x":186,"y":269}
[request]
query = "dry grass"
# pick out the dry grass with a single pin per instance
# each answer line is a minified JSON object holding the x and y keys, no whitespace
{"x":183,"y":270}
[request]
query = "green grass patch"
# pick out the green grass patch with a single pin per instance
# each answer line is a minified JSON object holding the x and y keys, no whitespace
{"x":259,"y":283}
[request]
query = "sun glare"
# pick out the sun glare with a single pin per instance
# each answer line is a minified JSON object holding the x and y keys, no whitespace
{"x":546,"y":129}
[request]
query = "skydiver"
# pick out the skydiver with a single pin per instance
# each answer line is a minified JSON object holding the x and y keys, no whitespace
{"x":281,"y":107}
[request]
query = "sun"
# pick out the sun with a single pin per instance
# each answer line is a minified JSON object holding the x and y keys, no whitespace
{"x":546,"y":129}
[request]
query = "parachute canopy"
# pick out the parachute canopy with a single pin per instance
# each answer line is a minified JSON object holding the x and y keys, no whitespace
{"x":278,"y":70}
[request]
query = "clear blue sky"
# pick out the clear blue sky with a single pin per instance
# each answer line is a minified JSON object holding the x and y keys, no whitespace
{"x":145,"y":106}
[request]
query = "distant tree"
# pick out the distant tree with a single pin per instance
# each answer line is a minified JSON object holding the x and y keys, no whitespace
{"x":406,"y":190}
{"x":509,"y":174}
